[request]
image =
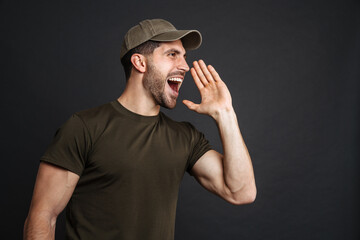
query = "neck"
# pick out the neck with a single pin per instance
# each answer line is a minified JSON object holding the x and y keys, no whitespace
{"x":137,"y":100}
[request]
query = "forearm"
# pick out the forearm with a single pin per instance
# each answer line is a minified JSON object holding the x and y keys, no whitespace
{"x":237,"y":166}
{"x":230,"y":176}
{"x":39,"y":226}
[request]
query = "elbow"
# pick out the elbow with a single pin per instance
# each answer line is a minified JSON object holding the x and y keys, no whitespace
{"x":244,"y":197}
{"x":40,"y":222}
{"x":247,"y":199}
{"x":251,"y":196}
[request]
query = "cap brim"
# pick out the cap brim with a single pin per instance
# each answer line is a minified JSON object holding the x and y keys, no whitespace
{"x":191,"y":39}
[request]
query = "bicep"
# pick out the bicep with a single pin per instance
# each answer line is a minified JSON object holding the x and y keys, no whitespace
{"x":53,"y":189}
{"x":209,"y":172}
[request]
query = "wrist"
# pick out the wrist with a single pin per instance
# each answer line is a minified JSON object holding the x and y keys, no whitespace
{"x":224,"y":114}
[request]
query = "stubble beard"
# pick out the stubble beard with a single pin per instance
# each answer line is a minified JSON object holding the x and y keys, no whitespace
{"x":155,"y":82}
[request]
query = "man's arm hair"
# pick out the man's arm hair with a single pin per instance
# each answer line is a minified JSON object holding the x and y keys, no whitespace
{"x":231,"y":175}
{"x":53,"y":189}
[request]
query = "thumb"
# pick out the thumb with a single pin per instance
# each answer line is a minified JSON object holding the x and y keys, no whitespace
{"x":191,"y":105}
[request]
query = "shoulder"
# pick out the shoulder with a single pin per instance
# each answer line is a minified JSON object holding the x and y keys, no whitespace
{"x":96,"y":113}
{"x":95,"y":119}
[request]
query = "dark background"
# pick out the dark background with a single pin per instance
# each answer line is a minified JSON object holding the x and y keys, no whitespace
{"x":292,"y":68}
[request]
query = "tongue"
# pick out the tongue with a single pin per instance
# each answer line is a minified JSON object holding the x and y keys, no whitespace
{"x":173,"y":86}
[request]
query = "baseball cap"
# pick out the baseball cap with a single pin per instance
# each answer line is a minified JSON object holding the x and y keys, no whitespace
{"x":159,"y":30}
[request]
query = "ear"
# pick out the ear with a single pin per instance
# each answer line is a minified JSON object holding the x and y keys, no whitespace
{"x":139,"y":62}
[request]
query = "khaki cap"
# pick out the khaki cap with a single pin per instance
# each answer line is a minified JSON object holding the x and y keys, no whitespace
{"x":161,"y":31}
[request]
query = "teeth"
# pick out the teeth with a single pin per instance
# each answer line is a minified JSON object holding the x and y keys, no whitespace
{"x":179,"y":80}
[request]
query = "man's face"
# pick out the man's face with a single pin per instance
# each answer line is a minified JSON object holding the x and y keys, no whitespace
{"x":166,"y":68}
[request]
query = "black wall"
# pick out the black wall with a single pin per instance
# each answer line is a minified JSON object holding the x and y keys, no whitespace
{"x":292,"y":68}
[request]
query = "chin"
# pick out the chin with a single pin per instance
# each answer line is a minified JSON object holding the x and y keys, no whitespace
{"x":166,"y":101}
{"x":168,"y":106}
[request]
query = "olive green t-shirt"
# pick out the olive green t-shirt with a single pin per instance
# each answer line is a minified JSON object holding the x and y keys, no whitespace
{"x":130,"y":169}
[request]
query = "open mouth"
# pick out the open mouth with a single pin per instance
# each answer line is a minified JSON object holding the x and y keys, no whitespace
{"x":175,"y":83}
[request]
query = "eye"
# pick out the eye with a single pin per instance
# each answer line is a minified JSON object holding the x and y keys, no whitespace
{"x":172,"y":54}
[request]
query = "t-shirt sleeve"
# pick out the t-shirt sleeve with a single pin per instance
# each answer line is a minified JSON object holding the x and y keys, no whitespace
{"x":70,"y":146}
{"x":199,"y":146}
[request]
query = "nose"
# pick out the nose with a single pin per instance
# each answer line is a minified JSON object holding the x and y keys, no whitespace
{"x":183,"y":66}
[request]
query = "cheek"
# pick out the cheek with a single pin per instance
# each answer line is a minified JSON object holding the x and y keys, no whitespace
{"x":165,"y":66}
{"x":165,"y":70}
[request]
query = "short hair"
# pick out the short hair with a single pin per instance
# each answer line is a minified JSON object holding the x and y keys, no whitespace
{"x":145,"y":48}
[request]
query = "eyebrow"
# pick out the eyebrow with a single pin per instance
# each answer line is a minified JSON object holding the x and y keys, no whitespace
{"x":175,"y":51}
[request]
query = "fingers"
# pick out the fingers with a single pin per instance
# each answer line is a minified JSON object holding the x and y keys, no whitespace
{"x":197,"y":81}
{"x":214,"y":73}
{"x":191,"y":105}
{"x":203,"y":73}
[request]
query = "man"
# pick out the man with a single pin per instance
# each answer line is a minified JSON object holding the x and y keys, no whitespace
{"x":118,"y":167}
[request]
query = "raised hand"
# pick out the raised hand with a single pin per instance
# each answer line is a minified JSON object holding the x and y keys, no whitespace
{"x":215,"y":96}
